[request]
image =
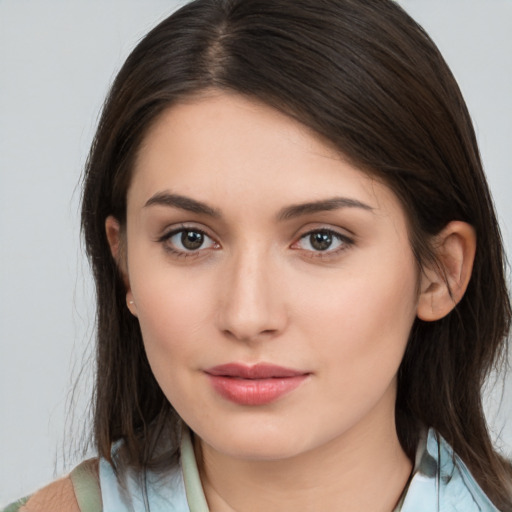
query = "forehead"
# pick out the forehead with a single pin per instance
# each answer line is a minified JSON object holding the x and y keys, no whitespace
{"x":222,"y":147}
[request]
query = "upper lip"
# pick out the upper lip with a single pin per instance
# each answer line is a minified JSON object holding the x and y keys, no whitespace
{"x":257,"y":371}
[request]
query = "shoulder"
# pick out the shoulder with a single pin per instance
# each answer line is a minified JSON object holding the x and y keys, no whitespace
{"x":77,"y":492}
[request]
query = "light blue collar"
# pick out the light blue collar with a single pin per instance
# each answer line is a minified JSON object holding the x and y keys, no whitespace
{"x":441,"y":482}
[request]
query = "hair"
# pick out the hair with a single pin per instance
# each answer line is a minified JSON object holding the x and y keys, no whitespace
{"x":370,"y":81}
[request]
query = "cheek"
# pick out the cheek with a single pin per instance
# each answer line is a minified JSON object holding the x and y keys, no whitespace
{"x":364,"y":317}
{"x":173,"y":316}
{"x":173,"y":309}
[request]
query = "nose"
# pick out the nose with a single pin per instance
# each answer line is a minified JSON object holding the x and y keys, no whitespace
{"x":252,"y":299}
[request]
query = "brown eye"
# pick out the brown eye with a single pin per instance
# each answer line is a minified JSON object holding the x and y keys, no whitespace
{"x":321,"y":240}
{"x":192,"y":240}
{"x":187,"y":240}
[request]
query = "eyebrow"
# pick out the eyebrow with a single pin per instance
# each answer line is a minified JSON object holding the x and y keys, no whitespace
{"x":334,"y":203}
{"x":183,"y":203}
{"x":287,"y":213}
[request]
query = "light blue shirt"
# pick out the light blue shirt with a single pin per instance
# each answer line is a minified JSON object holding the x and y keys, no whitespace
{"x":441,"y":482}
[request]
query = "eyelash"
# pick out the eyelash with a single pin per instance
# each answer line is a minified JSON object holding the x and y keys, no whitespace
{"x":183,"y":253}
{"x":345,"y":243}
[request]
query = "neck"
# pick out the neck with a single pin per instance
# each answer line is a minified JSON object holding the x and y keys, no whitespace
{"x":363,"y":469}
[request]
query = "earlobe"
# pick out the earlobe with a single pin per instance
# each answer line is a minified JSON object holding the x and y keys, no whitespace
{"x":443,"y":286}
{"x":131,"y":303}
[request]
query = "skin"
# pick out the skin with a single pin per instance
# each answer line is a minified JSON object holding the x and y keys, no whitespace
{"x":259,"y":290}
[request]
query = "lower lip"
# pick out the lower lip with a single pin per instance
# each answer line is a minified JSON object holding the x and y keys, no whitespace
{"x":254,"y":391}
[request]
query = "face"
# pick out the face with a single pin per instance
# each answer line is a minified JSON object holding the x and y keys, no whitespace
{"x":273,"y":281}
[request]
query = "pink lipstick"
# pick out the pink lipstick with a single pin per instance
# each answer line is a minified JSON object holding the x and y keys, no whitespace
{"x":254,"y":385}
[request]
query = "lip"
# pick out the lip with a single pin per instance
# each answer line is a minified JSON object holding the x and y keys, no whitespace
{"x":258,"y":384}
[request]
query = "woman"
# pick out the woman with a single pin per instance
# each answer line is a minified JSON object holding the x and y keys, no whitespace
{"x":299,"y":272}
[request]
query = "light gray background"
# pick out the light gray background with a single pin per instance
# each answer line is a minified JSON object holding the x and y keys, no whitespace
{"x":57,"y":59}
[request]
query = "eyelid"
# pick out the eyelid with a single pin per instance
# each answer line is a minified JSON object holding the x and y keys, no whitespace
{"x":171,"y":231}
{"x":342,"y":232}
{"x":346,"y":242}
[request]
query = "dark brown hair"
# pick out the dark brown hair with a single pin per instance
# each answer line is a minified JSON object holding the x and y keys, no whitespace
{"x":369,"y":80}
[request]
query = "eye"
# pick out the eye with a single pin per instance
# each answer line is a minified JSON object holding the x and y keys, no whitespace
{"x":187,"y":240}
{"x":322,"y":240}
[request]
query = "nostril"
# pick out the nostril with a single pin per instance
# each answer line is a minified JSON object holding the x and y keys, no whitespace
{"x":249,"y":336}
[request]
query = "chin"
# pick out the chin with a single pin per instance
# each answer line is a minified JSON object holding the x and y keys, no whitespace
{"x":260,"y":449}
{"x":259,"y":441}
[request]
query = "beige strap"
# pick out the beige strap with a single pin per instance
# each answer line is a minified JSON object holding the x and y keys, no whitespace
{"x":85,"y":479}
{"x":193,"y":488}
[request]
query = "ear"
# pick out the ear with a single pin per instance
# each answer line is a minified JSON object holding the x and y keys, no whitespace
{"x":442,"y":287}
{"x":117,"y":249}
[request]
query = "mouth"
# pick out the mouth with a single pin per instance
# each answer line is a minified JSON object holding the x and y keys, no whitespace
{"x":259,"y":384}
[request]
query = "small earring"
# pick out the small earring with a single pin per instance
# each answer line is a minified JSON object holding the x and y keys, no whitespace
{"x":131,"y":307}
